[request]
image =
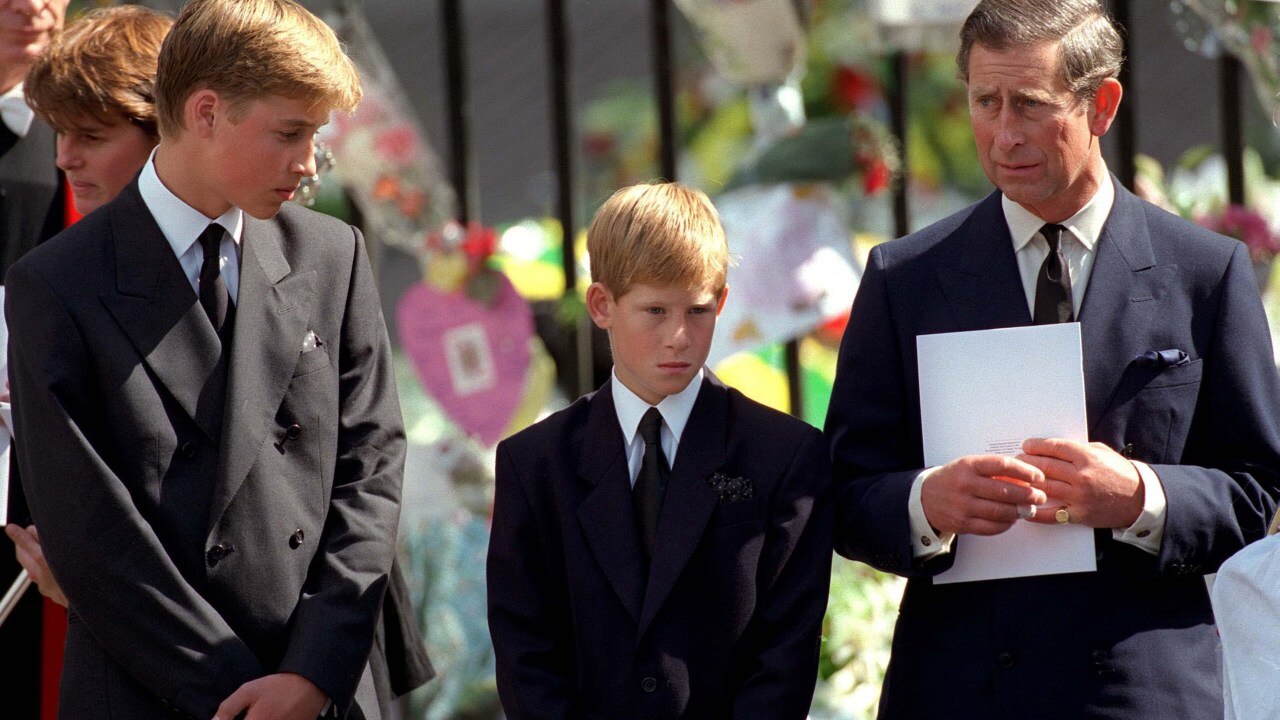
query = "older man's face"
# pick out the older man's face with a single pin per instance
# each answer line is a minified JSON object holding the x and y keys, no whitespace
{"x":26,"y":26}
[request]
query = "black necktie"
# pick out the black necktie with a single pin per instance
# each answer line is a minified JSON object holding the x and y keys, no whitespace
{"x":214,"y":297}
{"x":651,"y":483}
{"x":1053,"y":284}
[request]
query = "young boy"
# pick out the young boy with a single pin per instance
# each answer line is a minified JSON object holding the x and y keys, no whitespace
{"x":661,"y":548}
{"x":203,"y":399}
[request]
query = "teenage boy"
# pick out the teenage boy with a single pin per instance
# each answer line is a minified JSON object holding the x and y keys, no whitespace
{"x":204,"y":401}
{"x":661,"y":548}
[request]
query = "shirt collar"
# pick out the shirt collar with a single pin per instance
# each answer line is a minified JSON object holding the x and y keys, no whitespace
{"x":1086,"y":225}
{"x":675,"y":408}
{"x":15,"y":112}
{"x":181,"y":223}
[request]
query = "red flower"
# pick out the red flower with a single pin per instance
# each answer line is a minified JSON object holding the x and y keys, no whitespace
{"x":854,"y":89}
{"x":876,"y":176}
{"x":1246,"y":226}
{"x":397,"y":144}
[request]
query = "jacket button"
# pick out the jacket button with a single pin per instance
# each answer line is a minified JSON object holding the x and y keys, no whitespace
{"x":1099,"y":657}
{"x":293,"y":432}
{"x":648,"y":684}
{"x":188,"y":450}
{"x":295,"y":540}
{"x":216,"y":553}
{"x":1005,"y":659}
{"x":1127,"y":451}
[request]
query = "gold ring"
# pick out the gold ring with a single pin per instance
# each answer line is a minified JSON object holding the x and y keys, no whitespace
{"x":1063,"y":516}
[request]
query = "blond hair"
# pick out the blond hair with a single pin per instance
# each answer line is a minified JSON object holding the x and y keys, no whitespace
{"x":659,"y":233}
{"x":248,"y":49}
{"x":101,"y":68}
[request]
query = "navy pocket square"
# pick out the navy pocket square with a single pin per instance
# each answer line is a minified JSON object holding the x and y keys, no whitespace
{"x":731,"y":489}
{"x":1161,"y":359}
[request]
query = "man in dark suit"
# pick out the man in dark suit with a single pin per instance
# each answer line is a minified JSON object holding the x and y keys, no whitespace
{"x":32,"y":207}
{"x":1181,"y":391}
{"x":621,"y":586}
{"x":204,"y":399}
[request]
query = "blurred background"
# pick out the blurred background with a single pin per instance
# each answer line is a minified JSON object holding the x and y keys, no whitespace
{"x":492,"y":129}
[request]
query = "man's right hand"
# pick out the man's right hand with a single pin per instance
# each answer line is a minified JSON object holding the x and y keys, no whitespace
{"x":980,"y":494}
{"x":26,"y":544}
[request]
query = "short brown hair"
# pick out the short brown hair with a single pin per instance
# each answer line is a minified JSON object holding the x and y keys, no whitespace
{"x":1090,"y":49}
{"x":248,"y":49}
{"x":659,"y":233}
{"x":102,"y":67}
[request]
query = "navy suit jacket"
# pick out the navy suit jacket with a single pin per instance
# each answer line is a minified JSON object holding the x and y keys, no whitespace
{"x":1136,"y":638}
{"x":727,"y":624}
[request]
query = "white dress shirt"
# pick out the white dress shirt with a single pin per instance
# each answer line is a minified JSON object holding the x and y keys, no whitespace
{"x":182,"y":226}
{"x":1079,"y":245}
{"x":15,"y":113}
{"x":675,"y":411}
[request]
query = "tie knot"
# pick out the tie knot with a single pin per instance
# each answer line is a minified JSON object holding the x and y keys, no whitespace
{"x":211,"y":240}
{"x":651,"y":426}
{"x":1052,"y":234}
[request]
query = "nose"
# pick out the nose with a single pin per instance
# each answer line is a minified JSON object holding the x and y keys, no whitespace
{"x":1009,"y":133}
{"x":305,"y":165}
{"x":679,"y":337}
{"x":68,"y":153}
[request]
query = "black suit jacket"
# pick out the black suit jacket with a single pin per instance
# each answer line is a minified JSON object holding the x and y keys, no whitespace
{"x":32,"y":209}
{"x":1136,"y":638}
{"x":727,"y":624}
{"x":195,"y":560}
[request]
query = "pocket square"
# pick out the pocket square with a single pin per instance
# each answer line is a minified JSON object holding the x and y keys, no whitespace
{"x":731,"y":489}
{"x":1162,"y":359}
{"x":310,"y":342}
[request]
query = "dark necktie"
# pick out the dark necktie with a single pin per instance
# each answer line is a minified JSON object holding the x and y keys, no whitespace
{"x":1053,"y":284}
{"x":651,"y":483}
{"x":214,"y":297}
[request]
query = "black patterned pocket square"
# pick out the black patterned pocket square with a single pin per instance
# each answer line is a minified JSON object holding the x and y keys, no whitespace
{"x":732,"y":489}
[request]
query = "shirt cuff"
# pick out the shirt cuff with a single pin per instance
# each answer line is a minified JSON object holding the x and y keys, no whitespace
{"x":925,"y":543}
{"x":1146,"y":532}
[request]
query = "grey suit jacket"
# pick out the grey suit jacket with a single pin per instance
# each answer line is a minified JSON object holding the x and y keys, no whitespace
{"x":201,"y":545}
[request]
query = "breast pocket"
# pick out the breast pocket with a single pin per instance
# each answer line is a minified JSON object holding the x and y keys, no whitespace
{"x":1158,"y":417}
{"x":311,"y":361}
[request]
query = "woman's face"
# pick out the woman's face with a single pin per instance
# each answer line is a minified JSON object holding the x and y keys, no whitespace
{"x":99,"y":159}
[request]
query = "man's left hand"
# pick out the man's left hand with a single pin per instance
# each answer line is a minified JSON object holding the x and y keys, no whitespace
{"x":1098,"y":486}
{"x":283,"y":696}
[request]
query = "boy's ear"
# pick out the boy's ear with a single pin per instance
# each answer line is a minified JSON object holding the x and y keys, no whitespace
{"x":201,"y":111}
{"x":600,"y":305}
{"x":720,"y":304}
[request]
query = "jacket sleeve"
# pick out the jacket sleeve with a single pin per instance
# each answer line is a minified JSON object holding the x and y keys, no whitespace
{"x":527,"y":608}
{"x":875,"y":441}
{"x":1224,"y":495}
{"x":118,"y":578}
{"x":795,"y":576}
{"x":342,"y":598}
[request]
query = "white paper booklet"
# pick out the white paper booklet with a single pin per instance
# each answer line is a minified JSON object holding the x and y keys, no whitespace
{"x":984,"y":392}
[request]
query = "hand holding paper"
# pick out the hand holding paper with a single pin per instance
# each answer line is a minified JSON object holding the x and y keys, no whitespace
{"x":980,"y":494}
{"x":1099,"y":486}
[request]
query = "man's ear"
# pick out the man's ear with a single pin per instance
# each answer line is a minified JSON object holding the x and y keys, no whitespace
{"x":201,"y":111}
{"x":600,"y":305}
{"x":720,"y":303}
{"x":1102,"y":111}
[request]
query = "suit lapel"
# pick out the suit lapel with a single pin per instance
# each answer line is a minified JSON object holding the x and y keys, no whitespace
{"x":606,"y":512}
{"x":160,"y":313}
{"x":273,"y":310}
{"x":979,"y":272}
{"x":1123,"y":293}
{"x":690,"y":501}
